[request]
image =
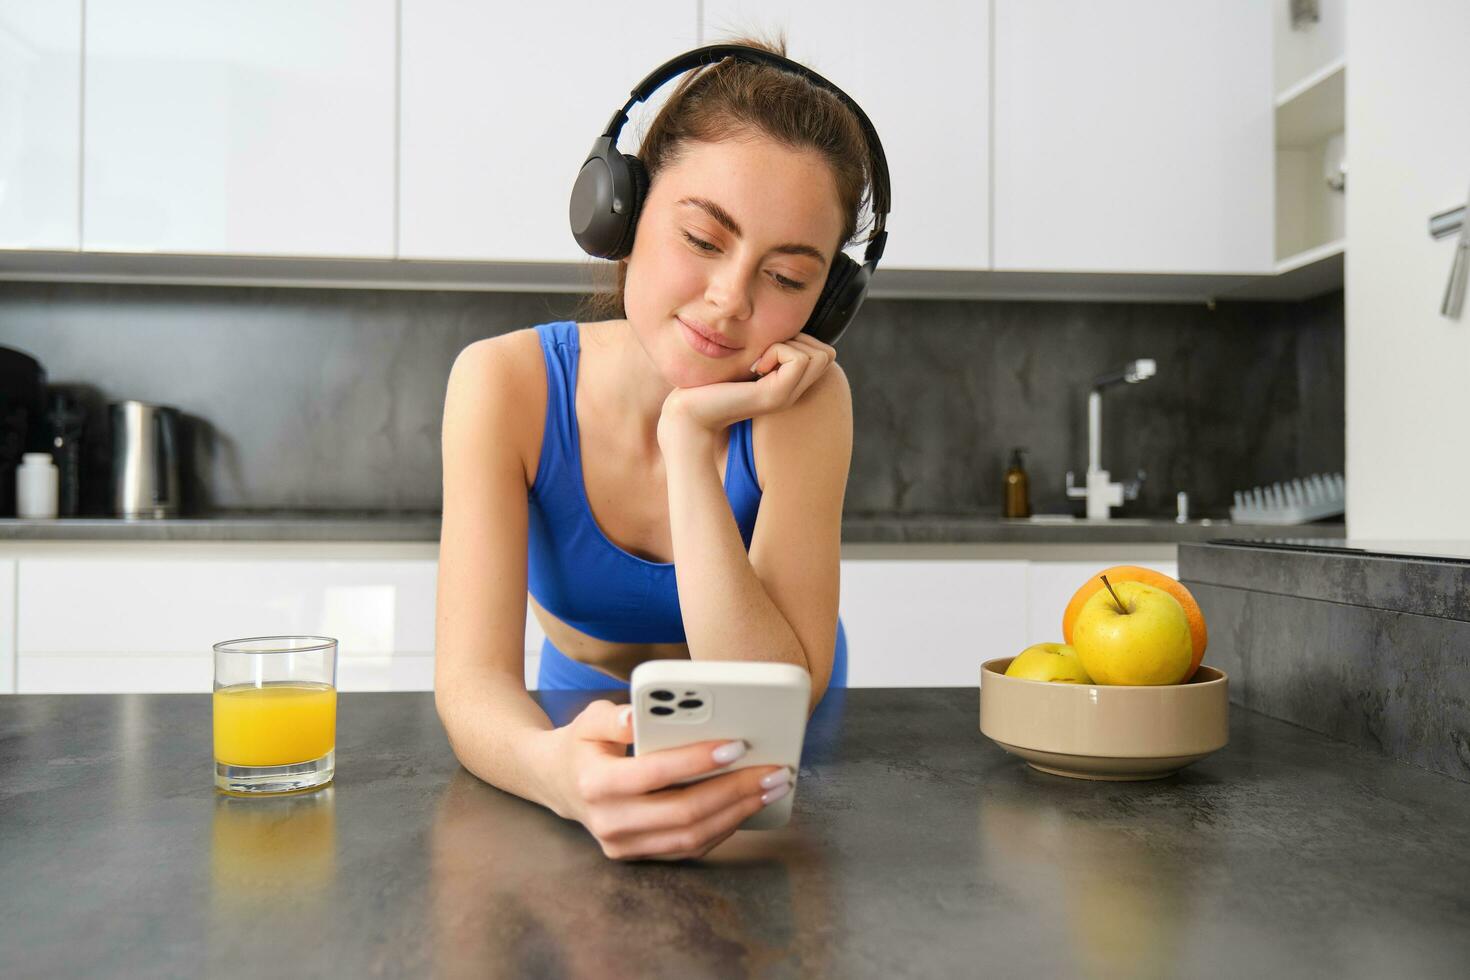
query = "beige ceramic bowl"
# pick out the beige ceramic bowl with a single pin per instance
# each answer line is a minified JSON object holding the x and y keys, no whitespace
{"x":1101,"y":731}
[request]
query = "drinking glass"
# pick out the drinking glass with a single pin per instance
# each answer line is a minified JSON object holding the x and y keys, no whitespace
{"x":275,"y":714}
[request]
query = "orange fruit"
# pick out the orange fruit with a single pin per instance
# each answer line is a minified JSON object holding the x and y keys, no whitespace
{"x":1199,"y":637}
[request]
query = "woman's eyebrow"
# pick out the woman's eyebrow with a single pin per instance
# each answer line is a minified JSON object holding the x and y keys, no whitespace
{"x":733,"y":227}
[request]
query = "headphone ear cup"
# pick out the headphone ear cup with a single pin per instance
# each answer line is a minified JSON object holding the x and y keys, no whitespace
{"x":639,"y":175}
{"x":842,"y":294}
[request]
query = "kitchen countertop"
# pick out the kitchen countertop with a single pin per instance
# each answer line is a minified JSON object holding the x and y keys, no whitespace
{"x":424,"y":526}
{"x":918,"y":848}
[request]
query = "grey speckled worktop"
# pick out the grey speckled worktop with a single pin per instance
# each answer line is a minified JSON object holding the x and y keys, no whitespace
{"x":424,"y":526}
{"x":918,"y":848}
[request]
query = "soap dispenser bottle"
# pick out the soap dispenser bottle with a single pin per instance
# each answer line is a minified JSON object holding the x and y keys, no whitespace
{"x":1017,"y":487}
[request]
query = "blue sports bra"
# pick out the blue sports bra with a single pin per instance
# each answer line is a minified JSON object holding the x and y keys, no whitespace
{"x":575,"y":571}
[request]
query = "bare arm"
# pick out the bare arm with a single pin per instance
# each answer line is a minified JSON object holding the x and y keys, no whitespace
{"x":779,"y":602}
{"x":497,"y":731}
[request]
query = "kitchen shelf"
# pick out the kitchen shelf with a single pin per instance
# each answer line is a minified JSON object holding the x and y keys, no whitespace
{"x":1308,"y":273}
{"x":1310,"y":111}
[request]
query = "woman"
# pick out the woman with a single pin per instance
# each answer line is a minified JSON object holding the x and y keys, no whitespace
{"x":667,"y":482}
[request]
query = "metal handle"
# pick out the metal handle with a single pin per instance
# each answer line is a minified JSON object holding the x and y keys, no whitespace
{"x":1447,"y":223}
{"x":1074,"y":492}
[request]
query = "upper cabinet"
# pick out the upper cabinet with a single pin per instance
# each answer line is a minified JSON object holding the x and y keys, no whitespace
{"x":260,"y":128}
{"x":921,"y":72}
{"x":40,"y":139}
{"x":1133,"y":137}
{"x":501,"y":103}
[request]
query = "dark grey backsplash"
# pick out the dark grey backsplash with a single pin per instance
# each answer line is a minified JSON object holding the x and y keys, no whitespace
{"x":331,"y":399}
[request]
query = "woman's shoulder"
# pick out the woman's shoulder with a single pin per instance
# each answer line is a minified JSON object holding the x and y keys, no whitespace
{"x":814,"y":433}
{"x":500,"y":382}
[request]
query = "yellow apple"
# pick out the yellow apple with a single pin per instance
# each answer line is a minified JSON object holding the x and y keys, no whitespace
{"x":1145,"y":641}
{"x":1049,"y":662}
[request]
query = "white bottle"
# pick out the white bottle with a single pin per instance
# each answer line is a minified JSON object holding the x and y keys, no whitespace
{"x":37,"y":486}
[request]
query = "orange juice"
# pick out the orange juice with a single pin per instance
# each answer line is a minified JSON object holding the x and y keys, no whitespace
{"x":275,"y":724}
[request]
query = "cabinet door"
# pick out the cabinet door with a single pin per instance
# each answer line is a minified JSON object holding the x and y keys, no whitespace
{"x":7,"y":627}
{"x":921,"y":72}
{"x":149,"y":625}
{"x":1051,"y":585}
{"x":248,"y":128}
{"x":40,"y":122}
{"x":1133,"y":137}
{"x":500,"y":103}
{"x":930,"y":623}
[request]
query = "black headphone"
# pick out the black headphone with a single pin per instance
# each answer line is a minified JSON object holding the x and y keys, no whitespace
{"x":612,"y":186}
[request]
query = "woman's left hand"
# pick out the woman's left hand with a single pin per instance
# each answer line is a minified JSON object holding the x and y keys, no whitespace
{"x":787,"y":370}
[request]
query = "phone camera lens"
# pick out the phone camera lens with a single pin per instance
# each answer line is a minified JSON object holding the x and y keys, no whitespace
{"x":659,"y":709}
{"x":661,"y":695}
{"x":691,"y":703}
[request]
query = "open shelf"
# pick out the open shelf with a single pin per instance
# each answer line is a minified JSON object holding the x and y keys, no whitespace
{"x":1314,"y":108}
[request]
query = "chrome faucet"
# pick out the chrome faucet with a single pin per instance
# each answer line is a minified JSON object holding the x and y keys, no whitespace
{"x":1101,"y":493}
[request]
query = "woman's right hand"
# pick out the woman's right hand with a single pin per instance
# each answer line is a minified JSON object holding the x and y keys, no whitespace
{"x":631,"y":805}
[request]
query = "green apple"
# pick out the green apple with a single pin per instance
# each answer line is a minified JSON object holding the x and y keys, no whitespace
{"x":1132,"y":633}
{"x":1049,"y":662}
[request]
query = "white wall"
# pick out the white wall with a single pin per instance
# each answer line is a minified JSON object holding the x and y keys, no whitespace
{"x":1408,"y":368}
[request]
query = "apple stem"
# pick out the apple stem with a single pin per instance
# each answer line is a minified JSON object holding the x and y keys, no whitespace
{"x":1121,"y":608}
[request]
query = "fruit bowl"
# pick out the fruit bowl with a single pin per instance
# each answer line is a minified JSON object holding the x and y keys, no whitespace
{"x":1100,"y":731}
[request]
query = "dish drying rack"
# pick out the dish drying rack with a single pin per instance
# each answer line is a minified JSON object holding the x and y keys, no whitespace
{"x":1293,"y":502}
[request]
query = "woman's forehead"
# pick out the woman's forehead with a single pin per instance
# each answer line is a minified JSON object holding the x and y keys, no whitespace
{"x":767,"y":190}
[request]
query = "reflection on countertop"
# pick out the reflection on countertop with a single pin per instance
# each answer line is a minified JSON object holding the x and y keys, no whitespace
{"x":389,"y":525}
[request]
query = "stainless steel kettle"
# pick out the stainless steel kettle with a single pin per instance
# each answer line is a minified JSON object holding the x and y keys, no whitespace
{"x":145,"y":459}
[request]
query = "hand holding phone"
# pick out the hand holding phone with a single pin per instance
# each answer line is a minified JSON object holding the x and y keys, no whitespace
{"x":762,"y":705}
{"x":657,"y":806}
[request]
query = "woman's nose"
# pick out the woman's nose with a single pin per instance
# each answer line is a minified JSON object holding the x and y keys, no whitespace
{"x":729,"y":292}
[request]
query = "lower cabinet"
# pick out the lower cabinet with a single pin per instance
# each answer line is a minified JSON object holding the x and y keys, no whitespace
{"x":131,"y":624}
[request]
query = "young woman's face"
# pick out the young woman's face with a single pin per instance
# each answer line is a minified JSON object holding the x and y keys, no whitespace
{"x":734,"y":242}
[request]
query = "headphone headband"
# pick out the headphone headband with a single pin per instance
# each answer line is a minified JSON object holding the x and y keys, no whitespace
{"x":712,"y":53}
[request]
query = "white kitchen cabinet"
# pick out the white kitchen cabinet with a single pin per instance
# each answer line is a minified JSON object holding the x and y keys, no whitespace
{"x":7,"y":627}
{"x":921,"y":72}
{"x":261,"y":128}
{"x":149,"y":624}
{"x":40,"y":122}
{"x":500,"y":104}
{"x":1050,"y":585}
{"x":1133,"y":137}
{"x":916,"y":623}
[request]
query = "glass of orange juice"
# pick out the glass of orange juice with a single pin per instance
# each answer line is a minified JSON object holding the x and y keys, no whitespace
{"x":275,"y":714}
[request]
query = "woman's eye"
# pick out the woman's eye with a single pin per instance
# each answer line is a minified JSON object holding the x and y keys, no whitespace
{"x":699,"y":243}
{"x":785,"y":283}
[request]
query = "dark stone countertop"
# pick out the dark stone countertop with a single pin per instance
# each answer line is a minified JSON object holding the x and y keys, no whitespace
{"x":918,"y":848}
{"x":424,"y":526}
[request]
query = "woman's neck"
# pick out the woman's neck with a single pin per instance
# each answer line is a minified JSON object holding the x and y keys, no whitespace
{"x":626,"y":382}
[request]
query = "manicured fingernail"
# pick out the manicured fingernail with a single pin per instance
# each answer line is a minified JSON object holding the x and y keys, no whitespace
{"x":768,"y":798}
{"x":754,"y":366}
{"x":778,"y":778}
{"x":625,"y":715}
{"x":729,"y":752}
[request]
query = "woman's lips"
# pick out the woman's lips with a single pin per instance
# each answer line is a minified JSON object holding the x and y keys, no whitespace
{"x":703,"y":344}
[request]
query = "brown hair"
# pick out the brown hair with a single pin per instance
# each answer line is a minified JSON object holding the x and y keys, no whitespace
{"x":732,"y":98}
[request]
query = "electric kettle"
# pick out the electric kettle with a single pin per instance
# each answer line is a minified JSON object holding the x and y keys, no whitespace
{"x":145,"y":459}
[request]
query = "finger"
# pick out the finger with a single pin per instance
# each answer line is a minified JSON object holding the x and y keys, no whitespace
{"x":818,"y":365}
{"x":811,"y":343}
{"x":686,"y":805}
{"x":695,"y":839}
{"x":603,"y":721}
{"x":776,"y":355}
{"x":623,"y":776}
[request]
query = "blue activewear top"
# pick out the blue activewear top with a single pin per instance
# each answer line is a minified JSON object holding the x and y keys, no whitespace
{"x":576,"y":572}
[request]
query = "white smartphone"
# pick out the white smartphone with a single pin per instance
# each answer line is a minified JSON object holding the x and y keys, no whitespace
{"x":676,"y":702}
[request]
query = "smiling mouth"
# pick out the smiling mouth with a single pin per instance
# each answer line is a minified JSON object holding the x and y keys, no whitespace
{"x":703,"y":343}
{"x":708,"y":335}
